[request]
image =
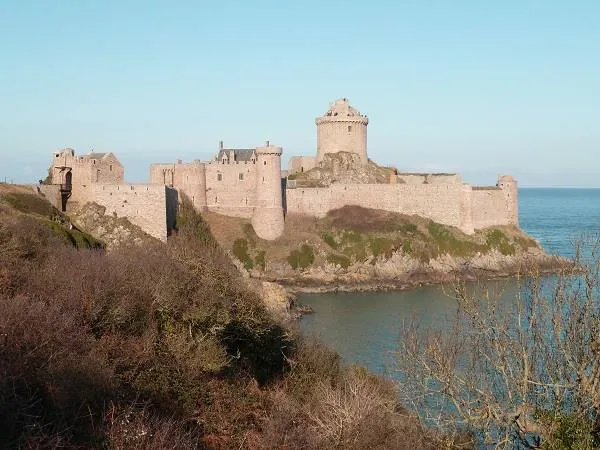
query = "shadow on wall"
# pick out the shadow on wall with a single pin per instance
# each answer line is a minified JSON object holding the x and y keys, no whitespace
{"x":284,"y":196}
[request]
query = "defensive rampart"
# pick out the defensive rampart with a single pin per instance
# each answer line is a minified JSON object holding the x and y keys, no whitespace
{"x":453,"y":204}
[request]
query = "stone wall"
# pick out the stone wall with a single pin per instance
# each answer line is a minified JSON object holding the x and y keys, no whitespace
{"x":231,"y":188}
{"x":301,"y":164}
{"x":189,"y":179}
{"x":453,"y":204}
{"x":51,"y":192}
{"x":342,"y":135}
{"x":427,"y":178}
{"x":439,"y":202}
{"x":151,"y":207}
{"x":86,"y":169}
{"x":489,"y":207}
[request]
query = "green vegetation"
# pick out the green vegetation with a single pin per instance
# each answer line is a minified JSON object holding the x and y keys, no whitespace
{"x":330,"y":240}
{"x":381,"y":245}
{"x":446,"y":241}
{"x":301,"y":258}
{"x":30,"y":204}
{"x":250,"y":234}
{"x":358,"y":234}
{"x":261,"y":259}
{"x":498,"y":240}
{"x":191,"y":225}
{"x":76,"y":238}
{"x":38,"y":209}
{"x":240,"y":250}
{"x":340,"y":260}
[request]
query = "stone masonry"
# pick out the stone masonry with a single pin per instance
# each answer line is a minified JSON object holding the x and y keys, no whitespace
{"x":99,"y":178}
{"x":248,"y":183}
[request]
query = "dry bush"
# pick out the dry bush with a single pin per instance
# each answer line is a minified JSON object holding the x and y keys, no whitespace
{"x":320,"y":405}
{"x":163,"y":347}
{"x":520,"y":373}
{"x":136,"y":427}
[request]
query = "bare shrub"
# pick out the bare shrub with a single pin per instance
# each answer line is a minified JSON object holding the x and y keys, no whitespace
{"x":517,"y":373}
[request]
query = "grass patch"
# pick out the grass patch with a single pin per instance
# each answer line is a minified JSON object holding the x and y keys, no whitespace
{"x":381,"y":246}
{"x":240,"y":250}
{"x":330,"y":240}
{"x":75,"y":238}
{"x":498,"y":240}
{"x":260,"y":260}
{"x":407,"y":246}
{"x":250,"y":234}
{"x":301,"y":258}
{"x":339,"y":260}
{"x":30,"y":204}
{"x":445,"y":241}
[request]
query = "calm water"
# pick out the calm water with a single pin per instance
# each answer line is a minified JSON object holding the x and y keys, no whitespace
{"x":364,"y":327}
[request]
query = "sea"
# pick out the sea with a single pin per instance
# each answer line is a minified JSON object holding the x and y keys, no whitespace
{"x":364,"y":328}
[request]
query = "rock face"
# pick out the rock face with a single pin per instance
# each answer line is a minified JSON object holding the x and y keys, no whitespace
{"x":400,"y":270}
{"x":344,"y":168}
{"x":113,"y":231}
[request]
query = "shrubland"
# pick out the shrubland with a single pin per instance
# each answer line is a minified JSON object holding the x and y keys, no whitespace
{"x":162,"y":346}
{"x":514,"y":371}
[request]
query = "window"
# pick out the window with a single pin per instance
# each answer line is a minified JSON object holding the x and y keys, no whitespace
{"x":110,"y":167}
{"x":241,"y":176}
{"x":265,"y":163}
{"x":219,"y":177}
{"x":349,"y":128}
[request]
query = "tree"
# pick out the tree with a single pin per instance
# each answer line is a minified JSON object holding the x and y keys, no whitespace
{"x":520,"y":374}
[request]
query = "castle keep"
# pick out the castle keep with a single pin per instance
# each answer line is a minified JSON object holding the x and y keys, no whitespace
{"x":249,"y":183}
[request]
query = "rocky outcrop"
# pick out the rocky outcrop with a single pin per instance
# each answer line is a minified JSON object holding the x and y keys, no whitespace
{"x":113,"y":231}
{"x":345,"y":168}
{"x":401,"y":271}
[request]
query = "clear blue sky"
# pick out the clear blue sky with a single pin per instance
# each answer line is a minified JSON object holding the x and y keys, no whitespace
{"x":478,"y":87}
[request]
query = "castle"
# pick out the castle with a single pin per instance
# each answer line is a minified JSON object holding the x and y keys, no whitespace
{"x":250,"y":183}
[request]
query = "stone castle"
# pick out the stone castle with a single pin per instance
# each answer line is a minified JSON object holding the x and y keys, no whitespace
{"x":250,"y":183}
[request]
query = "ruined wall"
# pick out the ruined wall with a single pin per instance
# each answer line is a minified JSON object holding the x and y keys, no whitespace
{"x":231,"y":188}
{"x":443,"y":203}
{"x":301,"y":164}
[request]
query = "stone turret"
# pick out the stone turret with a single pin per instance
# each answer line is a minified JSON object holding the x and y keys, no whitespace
{"x":267,"y":218}
{"x":342,"y":129}
{"x":509,"y":185}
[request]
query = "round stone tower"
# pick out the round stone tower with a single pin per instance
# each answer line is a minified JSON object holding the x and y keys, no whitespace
{"x":267,"y":219}
{"x":509,"y":185}
{"x":192,"y":180}
{"x":342,"y":129}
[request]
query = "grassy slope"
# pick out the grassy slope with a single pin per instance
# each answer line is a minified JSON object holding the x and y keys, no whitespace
{"x":16,"y":201}
{"x":354,"y":234}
